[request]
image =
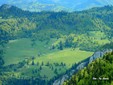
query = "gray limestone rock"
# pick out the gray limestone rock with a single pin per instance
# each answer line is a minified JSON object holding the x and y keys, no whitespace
{"x":80,"y":66}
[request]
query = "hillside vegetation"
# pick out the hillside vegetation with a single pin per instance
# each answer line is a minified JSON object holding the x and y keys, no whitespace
{"x":101,"y":69}
{"x":39,"y":47}
{"x":87,"y":30}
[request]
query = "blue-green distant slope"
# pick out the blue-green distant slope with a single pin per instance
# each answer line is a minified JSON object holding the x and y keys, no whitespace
{"x":57,"y":5}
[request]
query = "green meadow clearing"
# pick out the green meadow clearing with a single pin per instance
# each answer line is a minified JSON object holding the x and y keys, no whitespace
{"x":18,"y":50}
{"x":67,"y":56}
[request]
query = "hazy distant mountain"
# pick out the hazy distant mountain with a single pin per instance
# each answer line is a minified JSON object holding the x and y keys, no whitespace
{"x":57,"y":5}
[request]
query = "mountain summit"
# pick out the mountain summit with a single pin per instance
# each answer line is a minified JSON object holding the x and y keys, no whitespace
{"x":57,"y":5}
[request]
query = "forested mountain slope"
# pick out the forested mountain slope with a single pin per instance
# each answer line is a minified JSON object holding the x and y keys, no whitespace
{"x":99,"y":72}
{"x":78,"y":27}
{"x":39,"y":47}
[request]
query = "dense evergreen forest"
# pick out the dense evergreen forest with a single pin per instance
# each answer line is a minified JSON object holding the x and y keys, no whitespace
{"x":57,"y":32}
{"x":99,"y":72}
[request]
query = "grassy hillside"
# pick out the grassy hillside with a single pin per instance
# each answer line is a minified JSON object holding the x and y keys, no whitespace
{"x":38,"y":60}
{"x":67,"y":56}
{"x":21,"y":49}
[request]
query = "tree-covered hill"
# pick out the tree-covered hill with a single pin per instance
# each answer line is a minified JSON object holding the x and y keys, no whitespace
{"x":91,"y":28}
{"x":32,"y":44}
{"x":99,"y":72}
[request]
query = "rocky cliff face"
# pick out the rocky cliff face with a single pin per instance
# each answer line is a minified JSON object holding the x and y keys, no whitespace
{"x":80,"y":66}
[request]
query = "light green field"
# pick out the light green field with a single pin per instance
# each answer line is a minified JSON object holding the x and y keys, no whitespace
{"x":21,"y":49}
{"x":18,"y":50}
{"x":100,"y":37}
{"x":67,"y":56}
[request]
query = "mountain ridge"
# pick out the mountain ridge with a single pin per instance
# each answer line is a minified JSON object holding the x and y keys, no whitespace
{"x":57,"y":5}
